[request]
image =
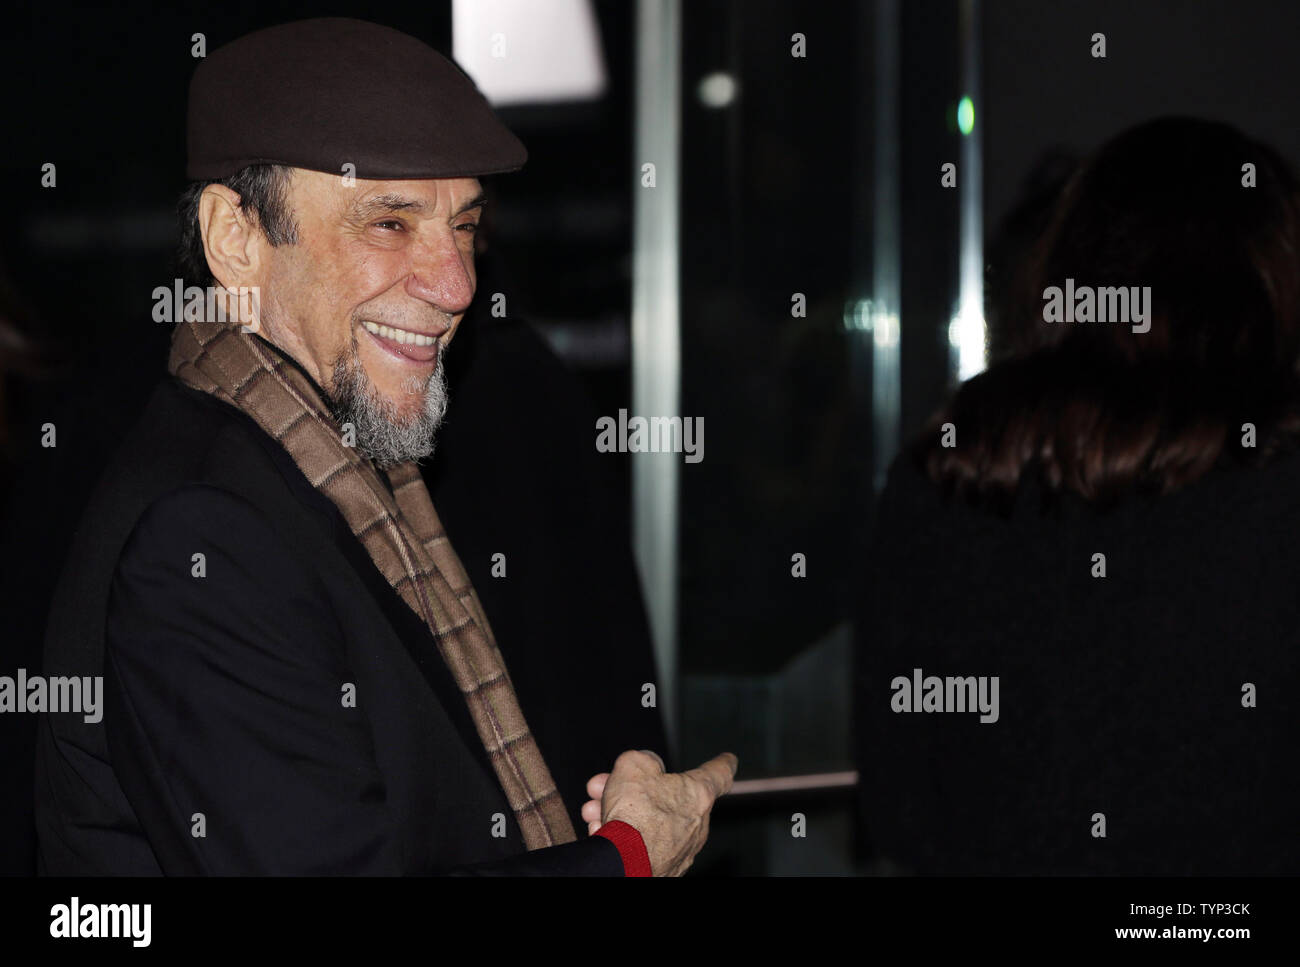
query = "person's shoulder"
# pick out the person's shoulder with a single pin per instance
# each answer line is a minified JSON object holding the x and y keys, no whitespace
{"x":185,"y":437}
{"x":191,"y":456}
{"x":1237,"y":495}
{"x":198,"y":529}
{"x":186,"y":431}
{"x":1280,"y":475}
{"x":905,"y":474}
{"x":181,"y":513}
{"x":907,"y":503}
{"x":908,"y":487}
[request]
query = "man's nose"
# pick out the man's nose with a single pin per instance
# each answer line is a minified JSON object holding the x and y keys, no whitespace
{"x":441,"y":275}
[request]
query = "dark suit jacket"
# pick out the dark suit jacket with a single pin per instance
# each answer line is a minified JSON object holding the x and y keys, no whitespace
{"x":1120,"y":695}
{"x":224,"y":709}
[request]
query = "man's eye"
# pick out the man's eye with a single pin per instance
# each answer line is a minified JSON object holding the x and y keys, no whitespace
{"x":468,"y":227}
{"x":391,"y":222}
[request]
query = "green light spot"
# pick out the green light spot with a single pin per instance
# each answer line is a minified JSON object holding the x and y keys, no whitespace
{"x":966,"y":115}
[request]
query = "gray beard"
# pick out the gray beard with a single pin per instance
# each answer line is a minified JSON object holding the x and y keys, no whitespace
{"x":380,"y":435}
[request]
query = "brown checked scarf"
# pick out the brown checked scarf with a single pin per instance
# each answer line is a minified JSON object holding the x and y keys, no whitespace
{"x":403,"y":536}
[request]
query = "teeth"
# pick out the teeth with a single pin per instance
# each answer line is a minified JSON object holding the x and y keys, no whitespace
{"x":401,"y":336}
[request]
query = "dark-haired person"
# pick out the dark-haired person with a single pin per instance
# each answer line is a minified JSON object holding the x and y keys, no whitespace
{"x":298,"y":675}
{"x":1078,"y":650}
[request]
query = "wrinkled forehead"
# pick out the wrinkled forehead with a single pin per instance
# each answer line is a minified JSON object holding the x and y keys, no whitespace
{"x":360,"y":200}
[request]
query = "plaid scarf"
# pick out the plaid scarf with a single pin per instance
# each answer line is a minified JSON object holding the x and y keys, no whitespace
{"x":403,"y":536}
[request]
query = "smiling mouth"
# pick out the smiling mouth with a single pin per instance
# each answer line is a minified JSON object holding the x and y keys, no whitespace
{"x":411,"y":346}
{"x":404,"y":346}
{"x":401,"y":336}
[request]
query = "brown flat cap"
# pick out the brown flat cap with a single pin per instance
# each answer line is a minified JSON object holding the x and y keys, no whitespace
{"x":323,"y":93}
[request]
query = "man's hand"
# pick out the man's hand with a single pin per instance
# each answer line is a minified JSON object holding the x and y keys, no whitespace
{"x":669,"y":810}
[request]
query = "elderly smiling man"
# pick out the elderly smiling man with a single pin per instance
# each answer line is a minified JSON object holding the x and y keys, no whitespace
{"x":299,"y":677}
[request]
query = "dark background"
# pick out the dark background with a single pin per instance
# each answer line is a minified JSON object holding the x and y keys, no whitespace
{"x":777,"y":198}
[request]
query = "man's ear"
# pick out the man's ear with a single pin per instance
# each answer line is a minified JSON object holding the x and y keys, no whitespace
{"x":235,"y":246}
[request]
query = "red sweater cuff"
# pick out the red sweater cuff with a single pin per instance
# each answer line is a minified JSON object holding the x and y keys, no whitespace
{"x":631,"y":847}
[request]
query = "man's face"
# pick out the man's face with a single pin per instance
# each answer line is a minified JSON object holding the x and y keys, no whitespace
{"x":375,"y":288}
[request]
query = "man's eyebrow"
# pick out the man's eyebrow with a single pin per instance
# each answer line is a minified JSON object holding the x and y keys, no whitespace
{"x":478,"y":201}
{"x":384,"y":205}
{"x":388,"y":204}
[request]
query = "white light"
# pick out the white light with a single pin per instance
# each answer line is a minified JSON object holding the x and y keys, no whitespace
{"x":866,"y":315}
{"x":717,"y":89}
{"x":529,"y":52}
{"x":884,"y":329}
{"x":857,"y":315}
{"x":967,"y":334}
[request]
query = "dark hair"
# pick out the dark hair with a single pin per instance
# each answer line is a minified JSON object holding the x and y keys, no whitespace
{"x":1100,"y":410}
{"x":263,"y":191}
